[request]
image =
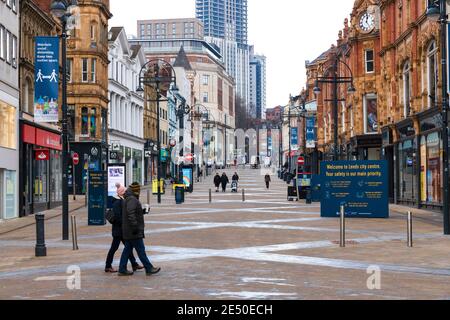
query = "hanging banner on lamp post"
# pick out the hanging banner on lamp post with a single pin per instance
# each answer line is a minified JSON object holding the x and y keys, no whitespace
{"x":46,"y":79}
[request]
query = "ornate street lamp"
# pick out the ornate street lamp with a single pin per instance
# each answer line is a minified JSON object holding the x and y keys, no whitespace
{"x":61,"y":10}
{"x":159,"y":75}
{"x":335,"y":80}
{"x":437,"y":11}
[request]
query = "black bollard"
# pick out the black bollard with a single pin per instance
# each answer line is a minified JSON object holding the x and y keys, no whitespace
{"x":308,"y":196}
{"x":40,"y":249}
{"x":210,"y":196}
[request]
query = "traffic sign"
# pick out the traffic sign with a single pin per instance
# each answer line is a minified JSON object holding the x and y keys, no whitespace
{"x":189,"y":158}
{"x":301,"y":161}
{"x":76,"y":158}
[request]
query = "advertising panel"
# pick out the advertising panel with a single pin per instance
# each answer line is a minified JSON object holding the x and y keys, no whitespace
{"x":361,"y":186}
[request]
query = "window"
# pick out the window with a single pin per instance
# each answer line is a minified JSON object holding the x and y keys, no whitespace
{"x":8,"y":47}
{"x":7,"y":126}
{"x":93,"y":67}
{"x":432,"y":74}
{"x":370,"y":114}
{"x":93,"y":32}
{"x":84,"y":70}
{"x":370,"y":63}
{"x":69,"y":70}
{"x":93,"y":122}
{"x":2,"y":42}
{"x":205,"y":81}
{"x":407,"y":89}
{"x":205,"y":97}
{"x":84,"y":121}
{"x":14,"y":51}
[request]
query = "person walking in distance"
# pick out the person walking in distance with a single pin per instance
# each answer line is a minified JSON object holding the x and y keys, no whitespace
{"x":235,"y":177}
{"x":117,"y":233}
{"x":133,"y":228}
{"x":267,"y":179}
{"x":217,"y":181}
{"x":224,"y":181}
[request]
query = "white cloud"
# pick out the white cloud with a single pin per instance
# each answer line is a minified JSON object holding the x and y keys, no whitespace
{"x":288,"y":32}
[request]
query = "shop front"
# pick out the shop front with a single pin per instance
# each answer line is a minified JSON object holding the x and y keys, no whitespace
{"x":431,"y":162}
{"x":407,"y":164}
{"x":41,"y":174}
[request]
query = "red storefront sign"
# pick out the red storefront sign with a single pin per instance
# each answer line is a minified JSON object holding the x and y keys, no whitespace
{"x":42,"y":155}
{"x":41,"y":138}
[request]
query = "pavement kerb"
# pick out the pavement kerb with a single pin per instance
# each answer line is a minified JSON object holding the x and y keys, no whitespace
{"x":25,"y":222}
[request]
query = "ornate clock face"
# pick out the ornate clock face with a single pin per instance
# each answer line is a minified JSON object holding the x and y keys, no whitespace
{"x":367,"y":22}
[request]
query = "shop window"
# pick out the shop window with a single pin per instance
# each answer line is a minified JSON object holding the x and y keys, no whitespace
{"x":93,"y":123}
{"x":431,"y":179}
{"x":7,"y":126}
{"x":84,"y":121}
{"x":407,"y":172}
{"x":9,"y":194}
{"x":432,"y":74}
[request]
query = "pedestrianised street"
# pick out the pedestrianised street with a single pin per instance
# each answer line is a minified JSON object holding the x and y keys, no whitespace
{"x":263,"y":248}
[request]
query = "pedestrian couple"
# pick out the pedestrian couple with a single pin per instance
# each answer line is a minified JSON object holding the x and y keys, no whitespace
{"x":222,"y":181}
{"x":128,"y":227}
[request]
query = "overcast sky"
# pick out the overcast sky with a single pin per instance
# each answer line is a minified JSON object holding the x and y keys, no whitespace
{"x":287,"y":32}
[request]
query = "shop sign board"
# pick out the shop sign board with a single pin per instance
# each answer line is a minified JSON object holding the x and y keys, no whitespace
{"x":361,"y":186}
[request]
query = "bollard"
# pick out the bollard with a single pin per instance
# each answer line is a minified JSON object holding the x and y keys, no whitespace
{"x":210,"y":196}
{"x":40,"y":249}
{"x":243,"y":195}
{"x":342,"y":241}
{"x":410,"y":230}
{"x":308,"y":197}
{"x":74,"y":234}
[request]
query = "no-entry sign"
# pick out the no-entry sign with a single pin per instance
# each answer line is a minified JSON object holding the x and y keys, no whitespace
{"x":76,"y":158}
{"x":301,"y":161}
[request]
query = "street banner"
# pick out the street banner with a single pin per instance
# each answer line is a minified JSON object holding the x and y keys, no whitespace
{"x":46,"y":79}
{"x":187,"y":177}
{"x":294,"y":136}
{"x":97,"y":198}
{"x":361,"y":186}
{"x":311,"y":132}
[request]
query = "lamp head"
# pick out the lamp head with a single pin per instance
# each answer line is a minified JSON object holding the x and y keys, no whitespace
{"x":58,"y":8}
{"x":351,"y":89}
{"x":433,"y":10}
{"x":140,"y":89}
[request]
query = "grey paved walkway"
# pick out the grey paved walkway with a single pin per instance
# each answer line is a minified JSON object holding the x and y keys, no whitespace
{"x":263,"y":248}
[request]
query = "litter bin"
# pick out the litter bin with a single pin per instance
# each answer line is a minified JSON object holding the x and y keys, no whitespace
{"x":179,"y":195}
{"x":155,"y":186}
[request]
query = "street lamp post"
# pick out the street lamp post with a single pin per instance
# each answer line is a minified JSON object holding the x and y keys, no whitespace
{"x":437,"y":9}
{"x":181,"y":110}
{"x":160,"y":75}
{"x":60,"y":9}
{"x":335,"y":80}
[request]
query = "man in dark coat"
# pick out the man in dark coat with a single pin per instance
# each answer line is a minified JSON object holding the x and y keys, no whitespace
{"x":217,"y":181}
{"x":117,"y":234}
{"x":267,"y":180}
{"x":224,"y":181}
{"x":133,"y":228}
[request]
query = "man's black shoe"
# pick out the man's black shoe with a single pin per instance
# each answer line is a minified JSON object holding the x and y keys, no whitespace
{"x":153,"y":271}
{"x":125,"y":274}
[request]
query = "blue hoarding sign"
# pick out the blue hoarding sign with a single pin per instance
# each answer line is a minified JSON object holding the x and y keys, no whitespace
{"x":311,"y":132}
{"x":97,"y":198}
{"x":46,"y":79}
{"x":361,"y":186}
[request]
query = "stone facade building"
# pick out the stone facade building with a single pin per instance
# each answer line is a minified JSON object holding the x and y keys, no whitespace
{"x":392,"y":50}
{"x":87,"y":90}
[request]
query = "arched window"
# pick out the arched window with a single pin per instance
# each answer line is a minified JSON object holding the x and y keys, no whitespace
{"x":407,"y":88}
{"x":432,"y":74}
{"x":93,"y":123}
{"x":84,"y":121}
